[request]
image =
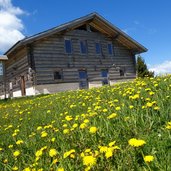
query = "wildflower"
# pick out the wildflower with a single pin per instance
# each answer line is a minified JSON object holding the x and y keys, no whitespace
{"x":103,"y":149}
{"x":52,"y":152}
{"x":55,"y":161}
{"x":87,"y":150}
{"x":104,"y":110}
{"x":148,"y":158}
{"x":86,"y":121}
{"x":136,"y":143}
{"x":5,"y":161}
{"x":113,"y":115}
{"x":53,"y":139}
{"x":112,"y":143}
{"x":118,"y":108}
{"x":27,"y":169}
{"x":16,"y":153}
{"x":93,"y":130}
{"x":156,"y":108}
{"x":68,"y":118}
{"x":131,"y":106}
{"x":44,"y":134}
{"x":60,"y":169}
{"x":108,"y":153}
{"x":89,"y":160}
{"x":68,"y":153}
{"x":19,"y":142}
{"x":38,"y":153}
{"x":66,"y":131}
{"x":64,"y":125}
{"x":83,"y":125}
{"x":15,"y":168}
{"x":10,"y":146}
{"x":74,"y":125}
{"x":168,"y":126}
{"x":149,"y":104}
{"x":39,"y":128}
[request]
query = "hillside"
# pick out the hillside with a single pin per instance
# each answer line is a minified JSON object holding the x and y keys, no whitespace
{"x":121,"y":127}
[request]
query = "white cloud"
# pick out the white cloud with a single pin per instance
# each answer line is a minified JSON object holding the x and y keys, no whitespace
{"x":163,"y":68}
{"x":11,"y":25}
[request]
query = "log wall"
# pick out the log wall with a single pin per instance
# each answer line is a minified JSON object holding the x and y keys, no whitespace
{"x":50,"y":56}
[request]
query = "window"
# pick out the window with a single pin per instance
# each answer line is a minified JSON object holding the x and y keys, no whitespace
{"x":68,"y":46}
{"x":83,"y":46}
{"x":122,"y":73}
{"x":104,"y":74}
{"x":110,"y":49}
{"x":58,"y":75}
{"x":98,"y":48}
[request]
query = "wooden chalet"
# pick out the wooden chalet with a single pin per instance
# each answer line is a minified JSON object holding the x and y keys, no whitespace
{"x":86,"y":52}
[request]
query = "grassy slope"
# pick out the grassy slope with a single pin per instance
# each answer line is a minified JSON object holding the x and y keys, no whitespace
{"x":142,"y":110}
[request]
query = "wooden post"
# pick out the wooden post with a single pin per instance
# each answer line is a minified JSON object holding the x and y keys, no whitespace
{"x":3,"y":58}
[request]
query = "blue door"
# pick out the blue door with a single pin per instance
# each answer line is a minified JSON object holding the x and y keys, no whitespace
{"x":104,"y":74}
{"x":83,"y":79}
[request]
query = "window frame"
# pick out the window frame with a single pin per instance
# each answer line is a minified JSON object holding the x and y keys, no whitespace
{"x":60,"y":71}
{"x":110,"y":45}
{"x":100,"y":48}
{"x":86,"y":47}
{"x":68,"y":39}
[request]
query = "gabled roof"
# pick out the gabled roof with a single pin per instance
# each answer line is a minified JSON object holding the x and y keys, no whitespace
{"x":94,"y":20}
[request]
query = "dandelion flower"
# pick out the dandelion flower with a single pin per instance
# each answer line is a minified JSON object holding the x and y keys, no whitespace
{"x":38,"y":153}
{"x":52,"y":152}
{"x":15,"y":168}
{"x":113,"y":115}
{"x":93,"y":130}
{"x":168,"y":126}
{"x":108,"y":153}
{"x":19,"y":142}
{"x":60,"y":169}
{"x":16,"y":153}
{"x":136,"y":143}
{"x":44,"y":134}
{"x":89,"y":160}
{"x":148,"y":158}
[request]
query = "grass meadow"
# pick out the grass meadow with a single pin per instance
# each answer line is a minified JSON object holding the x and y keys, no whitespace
{"x":126,"y":127}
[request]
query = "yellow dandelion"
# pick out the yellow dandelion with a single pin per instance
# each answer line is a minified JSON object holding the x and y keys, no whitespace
{"x":136,"y":142}
{"x":15,"y":168}
{"x":38,"y":153}
{"x":109,"y":153}
{"x":65,"y":131}
{"x":16,"y":153}
{"x":19,"y":142}
{"x":118,"y":108}
{"x":60,"y":169}
{"x":83,"y":125}
{"x":113,"y":115}
{"x":112,"y":143}
{"x":52,"y":152}
{"x":168,"y":126}
{"x":89,"y":160}
{"x":27,"y":169}
{"x":148,"y":158}
{"x":10,"y":146}
{"x":44,"y":134}
{"x":93,"y":130}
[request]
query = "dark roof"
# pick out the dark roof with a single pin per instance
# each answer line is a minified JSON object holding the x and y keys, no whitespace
{"x":96,"y":21}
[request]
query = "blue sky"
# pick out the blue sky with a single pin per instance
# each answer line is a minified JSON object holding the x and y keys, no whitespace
{"x":147,"y":21}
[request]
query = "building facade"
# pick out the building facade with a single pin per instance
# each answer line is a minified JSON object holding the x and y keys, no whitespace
{"x":84,"y":53}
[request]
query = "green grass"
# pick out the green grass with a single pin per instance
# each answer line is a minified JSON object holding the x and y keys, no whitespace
{"x":140,"y":109}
